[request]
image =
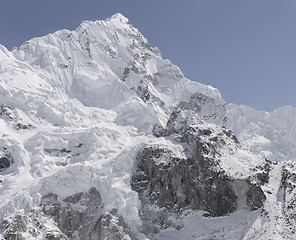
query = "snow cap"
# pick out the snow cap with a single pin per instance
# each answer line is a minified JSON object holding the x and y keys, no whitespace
{"x":120,"y":17}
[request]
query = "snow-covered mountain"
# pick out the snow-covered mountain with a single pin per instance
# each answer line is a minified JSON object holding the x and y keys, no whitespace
{"x":102,"y":138}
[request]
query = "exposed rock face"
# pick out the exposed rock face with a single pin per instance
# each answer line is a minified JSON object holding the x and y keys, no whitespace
{"x":33,"y":225}
{"x":55,"y":236}
{"x":16,"y":227}
{"x":74,"y":211}
{"x":180,"y":184}
{"x":6,"y":112}
{"x":81,"y":216}
{"x":20,"y":126}
{"x":288,"y":190}
{"x":9,"y":114}
{"x":195,"y":180}
{"x":113,"y":228}
{"x":5,"y":161}
{"x":192,"y":184}
{"x":208,"y":108}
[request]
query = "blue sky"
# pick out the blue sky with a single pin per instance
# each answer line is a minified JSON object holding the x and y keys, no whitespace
{"x":245,"y":48}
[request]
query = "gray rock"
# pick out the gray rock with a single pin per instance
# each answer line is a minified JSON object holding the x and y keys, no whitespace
{"x":16,"y":227}
{"x":113,"y":228}
{"x":13,"y":236}
{"x":191,"y":184}
{"x":20,"y":126}
{"x":74,"y":213}
{"x":6,"y":112}
{"x":52,"y":235}
{"x":288,"y":194}
{"x":81,"y":216}
{"x":207,"y":108}
{"x":194,"y":182}
{"x":4,"y":162}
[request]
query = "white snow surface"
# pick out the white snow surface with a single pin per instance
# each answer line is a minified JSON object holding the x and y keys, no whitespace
{"x":269,"y":134}
{"x":76,"y":114}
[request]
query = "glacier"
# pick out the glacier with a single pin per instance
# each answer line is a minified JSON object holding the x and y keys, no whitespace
{"x":79,"y":108}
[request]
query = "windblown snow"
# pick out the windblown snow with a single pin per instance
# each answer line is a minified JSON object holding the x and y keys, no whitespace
{"x":76,"y":106}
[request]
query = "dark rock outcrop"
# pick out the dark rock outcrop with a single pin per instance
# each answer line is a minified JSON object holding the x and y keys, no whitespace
{"x":55,"y":235}
{"x":111,"y":227}
{"x":81,"y":215}
{"x":20,"y":126}
{"x":6,"y":112}
{"x":263,"y":174}
{"x":194,"y":180}
{"x":288,"y":193}
{"x":5,"y":161}
{"x":75,"y":211}
{"x":191,"y":184}
{"x":208,"y":108}
{"x":16,"y":227}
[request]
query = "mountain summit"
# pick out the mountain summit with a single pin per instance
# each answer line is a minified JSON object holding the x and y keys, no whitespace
{"x":102,"y":138}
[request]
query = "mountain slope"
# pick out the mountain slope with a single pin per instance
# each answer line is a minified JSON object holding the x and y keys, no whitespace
{"x":101,"y":138}
{"x":272,"y":135}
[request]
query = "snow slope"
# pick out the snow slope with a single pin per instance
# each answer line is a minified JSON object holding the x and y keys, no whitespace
{"x":75,"y":108}
{"x":269,"y":134}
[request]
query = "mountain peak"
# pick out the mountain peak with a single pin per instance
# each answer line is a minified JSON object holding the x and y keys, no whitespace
{"x":119,"y":17}
{"x":117,"y":20}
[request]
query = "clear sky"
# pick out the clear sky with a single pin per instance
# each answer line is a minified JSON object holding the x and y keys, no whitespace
{"x":245,"y":48}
